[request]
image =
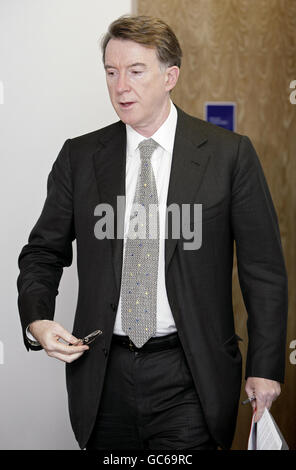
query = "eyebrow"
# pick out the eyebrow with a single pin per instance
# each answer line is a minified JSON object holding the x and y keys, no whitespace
{"x":136,"y":64}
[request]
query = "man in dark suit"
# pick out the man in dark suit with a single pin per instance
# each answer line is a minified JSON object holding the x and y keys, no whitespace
{"x":166,"y":372}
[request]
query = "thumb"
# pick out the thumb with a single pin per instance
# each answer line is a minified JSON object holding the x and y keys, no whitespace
{"x":66,"y":335}
{"x":259,"y":411}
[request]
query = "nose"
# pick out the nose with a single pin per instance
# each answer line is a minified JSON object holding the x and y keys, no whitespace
{"x":122,"y":84}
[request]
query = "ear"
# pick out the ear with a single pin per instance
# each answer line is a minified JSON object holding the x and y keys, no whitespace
{"x":171,"y":77}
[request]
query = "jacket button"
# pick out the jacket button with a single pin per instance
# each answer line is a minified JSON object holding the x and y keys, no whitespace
{"x":114,"y":307}
{"x":105,"y":351}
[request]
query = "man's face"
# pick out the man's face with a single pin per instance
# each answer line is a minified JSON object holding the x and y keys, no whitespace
{"x":138,"y":84}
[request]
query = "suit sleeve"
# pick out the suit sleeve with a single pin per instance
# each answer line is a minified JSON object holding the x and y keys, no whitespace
{"x":49,"y":248}
{"x":261,"y":266}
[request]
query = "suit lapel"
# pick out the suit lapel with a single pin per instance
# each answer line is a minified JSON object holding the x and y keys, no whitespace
{"x":109,"y":163}
{"x":190,"y":160}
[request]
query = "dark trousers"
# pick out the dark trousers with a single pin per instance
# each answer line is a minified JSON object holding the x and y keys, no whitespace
{"x":149,"y":401}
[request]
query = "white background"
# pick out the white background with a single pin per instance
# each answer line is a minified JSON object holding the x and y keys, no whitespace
{"x":53,"y":89}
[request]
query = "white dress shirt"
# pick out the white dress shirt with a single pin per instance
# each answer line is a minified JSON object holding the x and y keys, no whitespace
{"x":161,"y":161}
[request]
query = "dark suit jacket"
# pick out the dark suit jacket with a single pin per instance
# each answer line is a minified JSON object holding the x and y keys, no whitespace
{"x":213,"y":167}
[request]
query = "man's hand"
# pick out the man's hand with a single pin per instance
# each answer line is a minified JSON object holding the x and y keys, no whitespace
{"x":49,"y":333}
{"x":265,"y":391}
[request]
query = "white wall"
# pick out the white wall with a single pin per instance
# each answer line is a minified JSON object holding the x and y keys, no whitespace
{"x":53,"y":88}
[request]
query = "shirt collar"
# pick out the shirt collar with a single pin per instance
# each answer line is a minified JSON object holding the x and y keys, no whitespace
{"x":164,"y":136}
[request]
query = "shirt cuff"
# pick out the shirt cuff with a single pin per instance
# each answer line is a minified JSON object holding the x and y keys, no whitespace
{"x":30,"y":338}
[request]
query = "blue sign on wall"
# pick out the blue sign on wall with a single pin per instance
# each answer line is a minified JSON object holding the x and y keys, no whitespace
{"x":221,"y":114}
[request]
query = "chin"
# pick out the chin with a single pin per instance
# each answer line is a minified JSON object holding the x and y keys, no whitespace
{"x":127,"y":119}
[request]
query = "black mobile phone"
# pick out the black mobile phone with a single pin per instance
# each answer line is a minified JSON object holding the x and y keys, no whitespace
{"x":89,"y":338}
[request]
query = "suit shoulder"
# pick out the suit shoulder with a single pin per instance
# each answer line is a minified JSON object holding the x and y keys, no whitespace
{"x":210,"y":131}
{"x":223,"y":145}
{"x":91,"y":140}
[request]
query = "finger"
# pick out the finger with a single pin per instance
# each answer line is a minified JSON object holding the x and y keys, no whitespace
{"x":67,"y":359}
{"x":64,"y":357}
{"x":268,"y":404}
{"x":65,"y":335}
{"x":254,"y":404}
{"x":76,"y":343}
{"x":250,"y":391}
{"x":69,"y":350}
{"x":260,"y":409}
{"x":258,"y":416}
{"x":58,"y":347}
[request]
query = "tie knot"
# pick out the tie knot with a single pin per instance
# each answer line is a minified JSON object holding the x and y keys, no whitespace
{"x":147,"y":148}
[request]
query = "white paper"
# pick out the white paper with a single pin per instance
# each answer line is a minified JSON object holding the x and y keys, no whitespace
{"x":264,"y":435}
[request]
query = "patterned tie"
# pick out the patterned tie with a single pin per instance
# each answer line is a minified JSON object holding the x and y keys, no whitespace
{"x":140,"y":268}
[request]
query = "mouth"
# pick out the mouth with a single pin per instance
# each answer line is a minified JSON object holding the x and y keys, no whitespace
{"x":126,"y":104}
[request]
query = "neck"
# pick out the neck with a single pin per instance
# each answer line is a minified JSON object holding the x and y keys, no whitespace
{"x":148,"y":130}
